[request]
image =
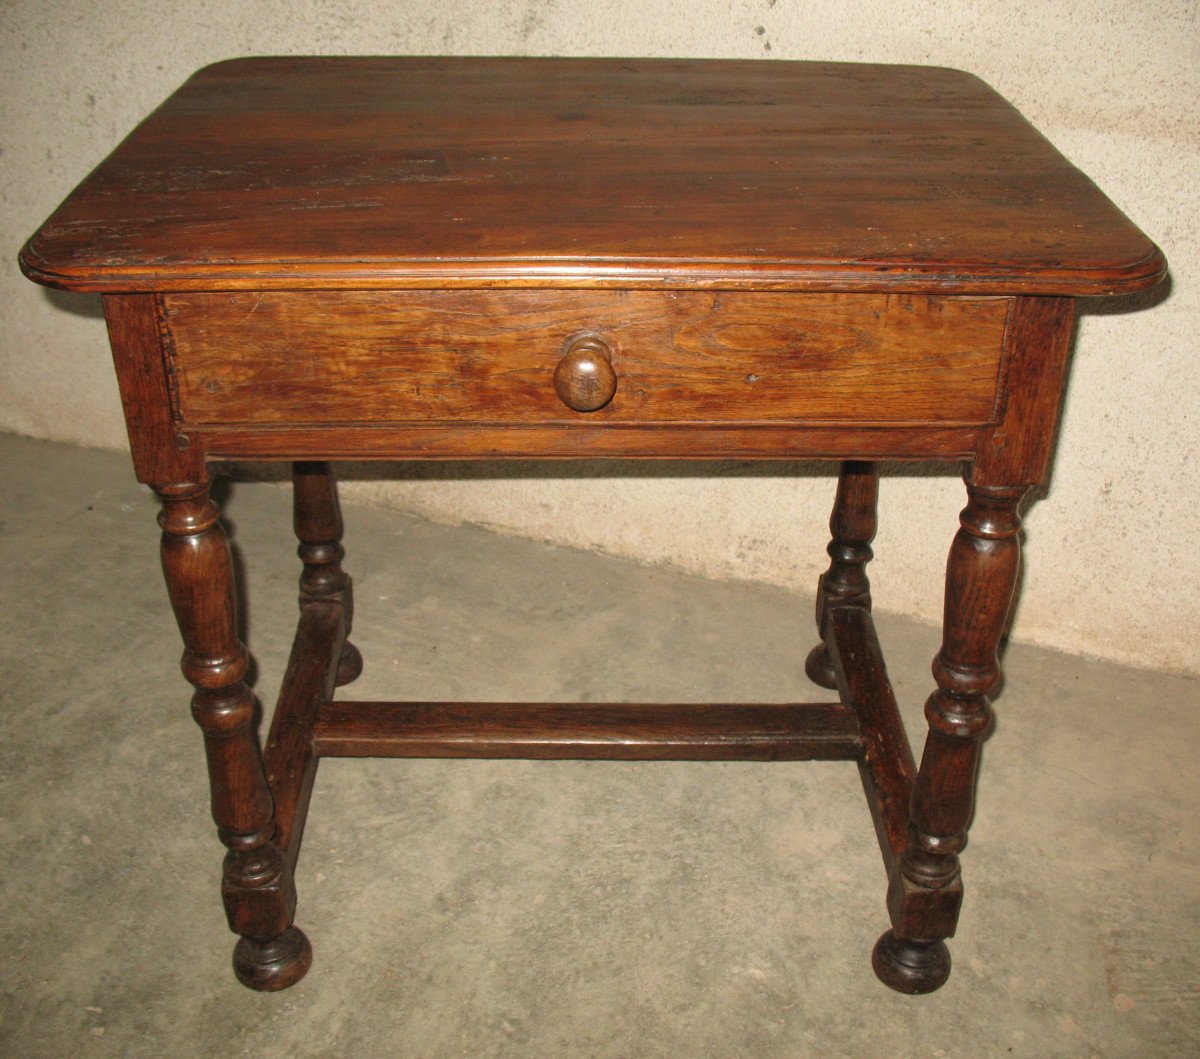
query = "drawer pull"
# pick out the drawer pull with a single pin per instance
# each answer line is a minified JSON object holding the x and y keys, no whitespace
{"x":584,"y":379}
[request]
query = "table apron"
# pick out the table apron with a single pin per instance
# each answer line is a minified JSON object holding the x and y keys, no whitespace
{"x":445,"y":375}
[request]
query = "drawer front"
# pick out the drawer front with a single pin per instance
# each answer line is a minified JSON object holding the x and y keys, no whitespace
{"x":326,"y":358}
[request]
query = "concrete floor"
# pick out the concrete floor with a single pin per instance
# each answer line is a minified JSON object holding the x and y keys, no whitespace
{"x":551,"y":909}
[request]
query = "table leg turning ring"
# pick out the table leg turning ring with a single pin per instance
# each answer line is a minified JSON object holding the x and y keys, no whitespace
{"x":852,"y":528}
{"x":922,"y":814}
{"x":257,"y":887}
{"x":259,"y":800}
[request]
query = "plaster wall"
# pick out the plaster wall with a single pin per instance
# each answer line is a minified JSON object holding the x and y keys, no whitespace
{"x":1112,"y":565}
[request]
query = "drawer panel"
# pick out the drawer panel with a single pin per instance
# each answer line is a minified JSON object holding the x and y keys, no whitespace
{"x":364,"y":357}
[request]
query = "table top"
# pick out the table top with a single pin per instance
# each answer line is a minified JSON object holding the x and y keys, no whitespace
{"x":280,"y":173}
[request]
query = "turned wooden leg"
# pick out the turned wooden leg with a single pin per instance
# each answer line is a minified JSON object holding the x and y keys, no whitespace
{"x":317,"y":519}
{"x":925,"y":891}
{"x":257,"y":887}
{"x":852,"y":527}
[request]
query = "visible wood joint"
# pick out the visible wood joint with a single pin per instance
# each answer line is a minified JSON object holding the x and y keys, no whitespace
{"x":887,"y":767}
{"x":289,"y":758}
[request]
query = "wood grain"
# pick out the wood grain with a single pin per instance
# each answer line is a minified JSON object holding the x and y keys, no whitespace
{"x":852,"y":527}
{"x":675,"y":441}
{"x":161,"y":454}
{"x":1037,"y":343}
{"x":290,"y":765}
{"x":925,"y":886}
{"x":887,"y":768}
{"x":592,"y":731}
{"x":490,"y":356}
{"x":257,"y":884}
{"x":429,"y":172}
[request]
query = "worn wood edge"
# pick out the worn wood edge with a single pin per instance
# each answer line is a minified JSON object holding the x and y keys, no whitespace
{"x":170,"y":359}
{"x":590,"y":731}
{"x":887,"y":767}
{"x":289,"y":761}
{"x":599,"y":273}
{"x":135,"y":338}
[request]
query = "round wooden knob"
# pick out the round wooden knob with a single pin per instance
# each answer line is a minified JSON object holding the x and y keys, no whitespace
{"x":585,"y":379}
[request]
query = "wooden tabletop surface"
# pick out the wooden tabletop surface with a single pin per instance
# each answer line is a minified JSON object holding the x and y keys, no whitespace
{"x":279,"y":173}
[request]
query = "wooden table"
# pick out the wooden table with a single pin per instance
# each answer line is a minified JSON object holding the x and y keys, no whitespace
{"x":309,"y":259}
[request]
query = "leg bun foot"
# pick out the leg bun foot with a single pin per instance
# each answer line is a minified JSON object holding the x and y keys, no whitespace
{"x":349,"y":665}
{"x":819,"y":667}
{"x":272,"y":965}
{"x":911,"y":966}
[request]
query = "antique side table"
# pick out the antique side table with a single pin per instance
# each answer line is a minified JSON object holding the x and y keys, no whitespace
{"x":309,"y":259}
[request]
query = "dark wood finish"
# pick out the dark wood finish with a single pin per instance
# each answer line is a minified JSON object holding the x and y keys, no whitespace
{"x":407,"y":258}
{"x":492,"y":356}
{"x":310,"y":679}
{"x":317,"y":520}
{"x":609,"y":731}
{"x":389,"y":172}
{"x":274,"y":964}
{"x":912,"y":967}
{"x":925,"y":891}
{"x":845,"y":583}
{"x":161,"y":453}
{"x":260,"y":899}
{"x":584,"y":379}
{"x":321,"y":658}
{"x":1016,"y":451}
{"x":587,"y":440}
{"x":886,"y":766}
